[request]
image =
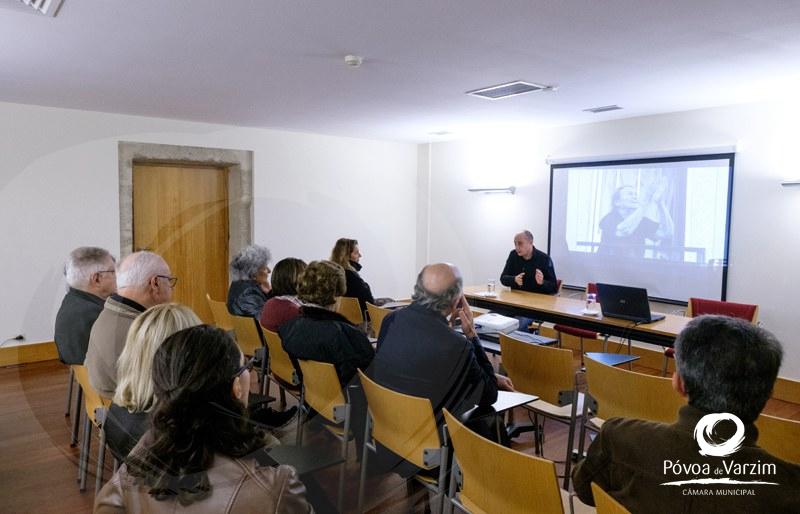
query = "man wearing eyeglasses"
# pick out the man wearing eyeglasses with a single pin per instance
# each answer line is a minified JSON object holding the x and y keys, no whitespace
{"x":143,"y":280}
{"x":91,"y":278}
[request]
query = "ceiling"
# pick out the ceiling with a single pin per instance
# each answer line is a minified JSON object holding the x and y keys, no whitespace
{"x":280,"y":64}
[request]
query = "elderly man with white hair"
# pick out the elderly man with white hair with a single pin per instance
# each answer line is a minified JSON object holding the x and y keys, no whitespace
{"x":143,"y":280}
{"x":90,"y":275}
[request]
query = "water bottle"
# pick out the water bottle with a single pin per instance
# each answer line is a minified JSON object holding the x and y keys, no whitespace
{"x":591,"y":306}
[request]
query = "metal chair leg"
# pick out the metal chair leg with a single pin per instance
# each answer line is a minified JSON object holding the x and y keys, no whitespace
{"x":87,"y":446}
{"x":101,"y":459}
{"x":571,"y":438}
{"x":299,"y":433}
{"x":69,"y":391}
{"x":77,"y":419}
{"x":364,"y":453}
{"x":345,"y":444}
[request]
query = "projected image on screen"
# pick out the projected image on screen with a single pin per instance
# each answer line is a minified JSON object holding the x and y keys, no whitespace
{"x":659,"y":224}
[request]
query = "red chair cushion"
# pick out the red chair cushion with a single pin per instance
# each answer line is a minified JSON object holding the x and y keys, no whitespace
{"x":735,"y":310}
{"x":577,"y":332}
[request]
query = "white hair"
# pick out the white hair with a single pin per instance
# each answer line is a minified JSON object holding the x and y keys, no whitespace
{"x":83,"y":262}
{"x":138,"y":268}
{"x":245,"y":264}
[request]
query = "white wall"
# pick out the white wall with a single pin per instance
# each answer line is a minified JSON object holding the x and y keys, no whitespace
{"x":476,"y":231}
{"x":59,"y":190}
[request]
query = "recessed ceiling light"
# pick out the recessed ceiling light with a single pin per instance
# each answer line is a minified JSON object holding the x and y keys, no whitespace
{"x":46,"y":7}
{"x":440,"y":133}
{"x":604,"y":108}
{"x":516,"y":88}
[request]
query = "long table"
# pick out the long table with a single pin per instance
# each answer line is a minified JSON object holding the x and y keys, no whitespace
{"x":559,"y":309}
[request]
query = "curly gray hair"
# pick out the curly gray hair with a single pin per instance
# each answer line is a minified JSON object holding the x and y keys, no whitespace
{"x":245,"y":264}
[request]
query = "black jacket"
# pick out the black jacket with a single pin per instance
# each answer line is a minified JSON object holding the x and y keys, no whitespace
{"x":326,"y":336}
{"x":123,"y":430}
{"x":356,"y":287}
{"x":77,"y":314}
{"x":420,"y":355}
{"x":516,"y":265}
{"x":246,"y":298}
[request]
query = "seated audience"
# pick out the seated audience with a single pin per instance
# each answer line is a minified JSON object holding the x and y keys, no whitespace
{"x":250,"y":287}
{"x":91,"y":278}
{"x":346,"y":254}
{"x":143,"y":280}
{"x":321,"y":334}
{"x":284,"y":304}
{"x":127,"y":417}
{"x":723,"y":365}
{"x":529,"y":269}
{"x":201,"y":454}
{"x":420,"y":354}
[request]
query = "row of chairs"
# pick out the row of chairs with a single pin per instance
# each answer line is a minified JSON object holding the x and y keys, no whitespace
{"x":544,"y":371}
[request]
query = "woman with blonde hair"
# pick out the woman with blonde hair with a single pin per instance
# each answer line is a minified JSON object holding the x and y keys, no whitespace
{"x":346,"y":254}
{"x":134,"y":397}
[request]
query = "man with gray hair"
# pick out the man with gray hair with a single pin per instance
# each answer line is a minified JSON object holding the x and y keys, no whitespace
{"x":726,"y":368}
{"x":419,"y":353}
{"x":90,"y":275}
{"x":144,"y":280}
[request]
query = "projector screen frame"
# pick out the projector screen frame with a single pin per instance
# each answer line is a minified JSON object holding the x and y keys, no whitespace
{"x":730,"y":156}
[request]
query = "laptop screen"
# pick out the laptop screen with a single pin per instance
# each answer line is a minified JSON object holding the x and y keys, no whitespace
{"x":625,"y":302}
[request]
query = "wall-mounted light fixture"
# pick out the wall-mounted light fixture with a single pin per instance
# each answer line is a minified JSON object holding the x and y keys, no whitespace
{"x":493,"y":190}
{"x":787,"y":183}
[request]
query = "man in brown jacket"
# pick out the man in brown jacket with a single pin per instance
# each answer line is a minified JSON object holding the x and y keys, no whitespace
{"x":143,"y":280}
{"x":708,"y":460}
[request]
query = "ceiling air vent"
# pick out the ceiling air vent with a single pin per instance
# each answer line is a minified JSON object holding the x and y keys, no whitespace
{"x":515,"y":88}
{"x":46,"y":7}
{"x":604,"y":108}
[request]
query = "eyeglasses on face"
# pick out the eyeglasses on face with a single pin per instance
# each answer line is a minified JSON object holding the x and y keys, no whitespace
{"x":247,"y":366}
{"x":172,"y":280}
{"x":105,"y":271}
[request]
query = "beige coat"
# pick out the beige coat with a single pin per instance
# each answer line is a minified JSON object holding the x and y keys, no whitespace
{"x":106,"y":341}
{"x":238,"y":486}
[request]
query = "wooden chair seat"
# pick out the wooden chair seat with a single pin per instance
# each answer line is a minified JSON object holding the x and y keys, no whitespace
{"x":563,"y":412}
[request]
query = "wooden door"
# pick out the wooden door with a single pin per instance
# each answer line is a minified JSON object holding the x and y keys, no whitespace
{"x":181,"y":213}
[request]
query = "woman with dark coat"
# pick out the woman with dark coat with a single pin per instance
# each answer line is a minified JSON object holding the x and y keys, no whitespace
{"x":250,"y":288}
{"x":346,"y":254}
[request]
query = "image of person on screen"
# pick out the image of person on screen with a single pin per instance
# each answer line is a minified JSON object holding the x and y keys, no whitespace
{"x":529,"y":269}
{"x":636,"y":219}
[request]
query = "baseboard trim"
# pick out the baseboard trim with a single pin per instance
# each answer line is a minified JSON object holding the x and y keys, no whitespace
{"x":27,"y":353}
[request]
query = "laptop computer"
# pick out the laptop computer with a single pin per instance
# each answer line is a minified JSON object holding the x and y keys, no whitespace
{"x":626,"y":303}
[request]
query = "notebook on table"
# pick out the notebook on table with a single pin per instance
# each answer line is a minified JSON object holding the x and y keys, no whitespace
{"x":626,"y":303}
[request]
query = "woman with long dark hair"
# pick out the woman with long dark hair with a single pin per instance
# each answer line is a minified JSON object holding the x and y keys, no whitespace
{"x":201,"y":454}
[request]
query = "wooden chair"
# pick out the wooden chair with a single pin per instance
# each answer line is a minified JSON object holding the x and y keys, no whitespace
{"x":496,"y":479}
{"x":281,"y":369}
{"x":96,"y":408}
{"x":222,"y":318}
{"x":699,"y":306}
{"x":406,"y":426}
{"x":605,"y":503}
{"x":349,"y":307}
{"x":548,"y":373}
{"x":250,"y":339}
{"x":376,"y":315}
{"x":323,"y":392}
{"x":614,"y":392}
{"x":779,"y":437}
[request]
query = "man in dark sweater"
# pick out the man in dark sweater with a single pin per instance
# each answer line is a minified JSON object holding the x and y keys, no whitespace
{"x":708,"y":461}
{"x":421,"y":355}
{"x":91,"y":278}
{"x":529,"y":269}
